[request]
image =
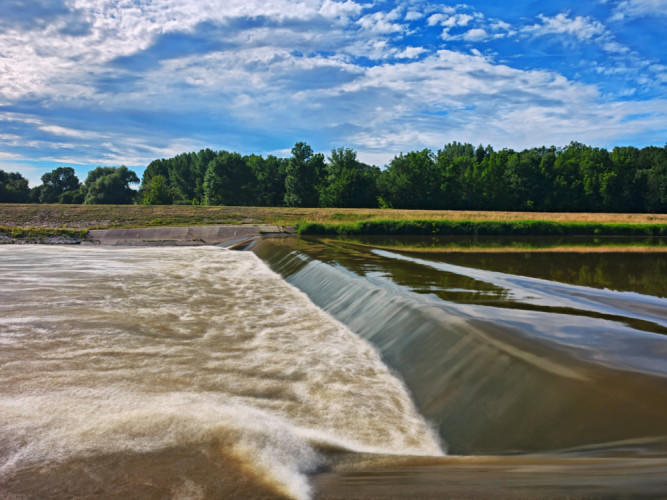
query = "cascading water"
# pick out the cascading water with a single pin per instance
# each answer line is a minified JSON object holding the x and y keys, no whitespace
{"x":526,"y":366}
{"x":201,"y":373}
{"x":153,"y":365}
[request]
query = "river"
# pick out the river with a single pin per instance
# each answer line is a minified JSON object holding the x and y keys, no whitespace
{"x":314,"y":368}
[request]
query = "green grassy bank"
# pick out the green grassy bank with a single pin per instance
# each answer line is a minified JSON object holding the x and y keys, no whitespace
{"x":38,"y":222}
{"x":481,"y":228}
{"x":41,"y":235}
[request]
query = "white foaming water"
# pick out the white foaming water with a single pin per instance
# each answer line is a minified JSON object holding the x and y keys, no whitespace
{"x":143,"y":350}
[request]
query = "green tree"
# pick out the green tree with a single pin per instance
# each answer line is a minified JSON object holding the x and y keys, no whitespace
{"x":621,"y":188}
{"x":156,"y":167}
{"x":33,"y":196}
{"x":490,"y":180}
{"x":73,"y":197}
{"x":269,"y":176}
{"x":654,"y":161}
{"x":228,"y":181}
{"x":13,"y":188}
{"x":568,"y":183}
{"x":522,"y":180}
{"x":199,"y":167}
{"x":458,"y":172}
{"x":348,"y":182}
{"x":158,"y":192}
{"x":110,"y":185}
{"x":412,"y":181}
{"x":57,"y":182}
{"x":303,"y":177}
{"x":182,"y":177}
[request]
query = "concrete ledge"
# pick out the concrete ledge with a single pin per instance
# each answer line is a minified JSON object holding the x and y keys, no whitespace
{"x":180,"y":236}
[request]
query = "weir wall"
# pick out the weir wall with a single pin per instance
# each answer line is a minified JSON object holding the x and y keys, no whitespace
{"x":183,"y":236}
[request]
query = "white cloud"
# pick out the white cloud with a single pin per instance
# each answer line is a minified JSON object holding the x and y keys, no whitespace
{"x":436,"y":19}
{"x":57,"y":130}
{"x":264,"y":68}
{"x":340,"y":9}
{"x":475,"y":35}
{"x":639,"y":8}
{"x":410,"y":52}
{"x":474,"y":100}
{"x":463,"y":23}
{"x":612,"y":46}
{"x":450,"y":21}
{"x":413,"y":15}
{"x":581,"y":28}
{"x":381,"y":23}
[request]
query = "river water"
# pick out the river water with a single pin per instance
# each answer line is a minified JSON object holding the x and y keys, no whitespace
{"x":326,"y":369}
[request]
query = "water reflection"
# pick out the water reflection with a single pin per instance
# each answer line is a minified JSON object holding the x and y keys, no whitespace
{"x":616,"y":270}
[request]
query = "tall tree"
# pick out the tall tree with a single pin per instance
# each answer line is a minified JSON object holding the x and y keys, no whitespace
{"x":348,"y":182}
{"x":303,"y":176}
{"x":228,"y":181}
{"x":654,"y":160}
{"x":157,"y":192}
{"x":110,"y":185}
{"x":412,"y":181}
{"x":269,"y":176}
{"x":56,"y":183}
{"x":568,"y":183}
{"x":13,"y":188}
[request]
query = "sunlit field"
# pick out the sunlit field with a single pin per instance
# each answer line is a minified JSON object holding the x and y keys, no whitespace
{"x":113,"y":216}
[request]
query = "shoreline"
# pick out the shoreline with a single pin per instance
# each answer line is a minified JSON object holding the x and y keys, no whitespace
{"x":509,"y":249}
{"x":241,"y":235}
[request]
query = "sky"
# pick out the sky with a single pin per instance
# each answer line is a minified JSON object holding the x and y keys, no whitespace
{"x":85,"y":83}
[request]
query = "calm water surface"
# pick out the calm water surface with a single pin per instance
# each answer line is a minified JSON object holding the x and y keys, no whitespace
{"x":310,"y":368}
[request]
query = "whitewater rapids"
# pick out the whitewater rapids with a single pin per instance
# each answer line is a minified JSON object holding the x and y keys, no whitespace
{"x":132,"y":370}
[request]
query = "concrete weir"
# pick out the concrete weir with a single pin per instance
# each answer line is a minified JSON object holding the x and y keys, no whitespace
{"x":229,"y":235}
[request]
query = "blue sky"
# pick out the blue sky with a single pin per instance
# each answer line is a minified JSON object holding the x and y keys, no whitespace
{"x":109,"y":82}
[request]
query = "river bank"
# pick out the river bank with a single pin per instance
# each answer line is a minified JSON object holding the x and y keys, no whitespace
{"x":72,"y":224}
{"x":127,"y":216}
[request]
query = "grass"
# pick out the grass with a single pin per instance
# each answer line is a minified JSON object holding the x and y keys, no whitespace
{"x":483,"y":228}
{"x":125,"y":216}
{"x":37,"y":222}
{"x":41,"y":233}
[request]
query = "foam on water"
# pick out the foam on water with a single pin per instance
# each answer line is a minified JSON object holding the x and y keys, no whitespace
{"x":149,"y":349}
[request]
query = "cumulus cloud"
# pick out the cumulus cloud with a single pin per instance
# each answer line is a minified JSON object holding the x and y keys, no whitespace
{"x":143,"y":79}
{"x":475,"y":35}
{"x":340,"y":9}
{"x":410,"y":52}
{"x":381,"y":22}
{"x":413,"y":15}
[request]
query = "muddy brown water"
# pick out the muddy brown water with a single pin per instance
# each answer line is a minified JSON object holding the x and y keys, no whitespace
{"x":307,"y":368}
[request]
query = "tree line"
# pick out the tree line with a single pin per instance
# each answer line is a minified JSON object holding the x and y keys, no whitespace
{"x":459,"y":176}
{"x":103,"y":185}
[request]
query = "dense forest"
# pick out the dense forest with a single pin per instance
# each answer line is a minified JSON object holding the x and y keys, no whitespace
{"x":571,"y":179}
